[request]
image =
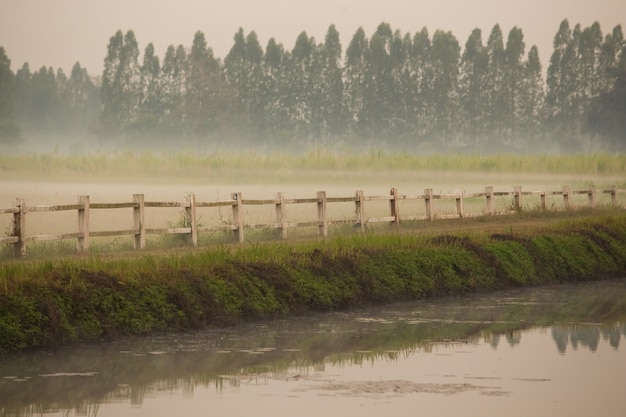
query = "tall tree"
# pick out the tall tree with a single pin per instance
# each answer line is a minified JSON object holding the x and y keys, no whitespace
{"x":401,"y":87}
{"x":355,"y":81}
{"x":532,"y":97}
{"x":9,"y":128}
{"x":23,"y":92}
{"x":174,"y":74}
{"x":589,"y":49}
{"x":473,"y":88}
{"x":421,"y":114}
{"x":151,"y":106}
{"x":607,"y":117}
{"x":254,"y":93}
{"x":275,"y":89}
{"x":331,"y":110}
{"x":45,"y":102}
{"x":496,"y":99}
{"x":609,"y":58}
{"x":121,"y":83}
{"x":300,"y":84}
{"x":379,"y":87}
{"x":205,"y":99}
{"x":561,"y":82}
{"x":444,"y":57}
{"x":84,"y":101}
{"x":513,"y":83}
{"x":243,"y":68}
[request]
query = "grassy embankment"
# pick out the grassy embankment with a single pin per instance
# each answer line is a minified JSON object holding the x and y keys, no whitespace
{"x":68,"y":300}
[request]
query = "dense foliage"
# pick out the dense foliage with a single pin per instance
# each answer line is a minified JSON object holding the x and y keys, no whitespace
{"x":413,"y":92}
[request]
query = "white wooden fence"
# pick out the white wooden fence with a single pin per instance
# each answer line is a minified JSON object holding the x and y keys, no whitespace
{"x":18,"y":238}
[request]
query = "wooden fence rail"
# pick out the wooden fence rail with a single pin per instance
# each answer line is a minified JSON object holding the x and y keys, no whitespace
{"x":190,"y":227}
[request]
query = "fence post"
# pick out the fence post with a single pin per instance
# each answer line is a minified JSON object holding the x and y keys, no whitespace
{"x":281,"y":217}
{"x":517,"y":197}
{"x":459,"y":203}
{"x":82,"y":243}
{"x":394,"y":207}
{"x":19,"y":228}
{"x":428,"y":199}
{"x":321,"y":214}
{"x":190,"y":219}
{"x":238,"y":217}
{"x":360,"y":210}
{"x":139,"y":221}
{"x":591,"y":196}
{"x":566,"y":197}
{"x":543,"y":199}
{"x":614,"y":195}
{"x":489,"y":199}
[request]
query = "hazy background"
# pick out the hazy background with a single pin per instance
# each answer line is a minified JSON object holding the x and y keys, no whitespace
{"x":59,"y":33}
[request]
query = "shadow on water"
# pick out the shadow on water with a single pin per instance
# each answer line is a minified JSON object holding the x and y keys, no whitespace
{"x":81,"y":378}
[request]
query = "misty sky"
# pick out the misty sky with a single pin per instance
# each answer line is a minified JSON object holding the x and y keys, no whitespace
{"x":58,"y":33}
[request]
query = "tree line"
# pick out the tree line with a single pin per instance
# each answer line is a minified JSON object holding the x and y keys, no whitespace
{"x":401,"y":90}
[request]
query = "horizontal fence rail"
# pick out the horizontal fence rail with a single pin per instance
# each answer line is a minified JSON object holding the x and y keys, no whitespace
{"x":238,"y":225}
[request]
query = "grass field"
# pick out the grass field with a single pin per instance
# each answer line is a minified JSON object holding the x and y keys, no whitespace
{"x":52,"y":178}
{"x":251,"y":166}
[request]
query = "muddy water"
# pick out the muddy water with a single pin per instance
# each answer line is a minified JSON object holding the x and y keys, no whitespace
{"x":549,"y":351}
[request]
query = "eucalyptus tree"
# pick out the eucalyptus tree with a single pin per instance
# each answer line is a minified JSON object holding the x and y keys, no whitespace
{"x":379,"y":100}
{"x":45,"y":100}
{"x":255,"y":98}
{"x":398,"y":126}
{"x":300,"y":84}
{"x":588,"y":46}
{"x":331,"y":114}
{"x":275,"y":90}
{"x":561,"y":82}
{"x":121,"y":83}
{"x":80,"y":99}
{"x":151,"y":105}
{"x":473,"y":91}
{"x":609,"y":57}
{"x":607,"y":117}
{"x":588,"y":68}
{"x":63,"y":110}
{"x":420,"y":113}
{"x":173,"y":79}
{"x":355,"y":81}
{"x":326,"y":88}
{"x":496,"y":98}
{"x":444,"y":59}
{"x":9,"y":128}
{"x":513,"y":84}
{"x":316,"y":94}
{"x":23,"y":94}
{"x":207,"y":96}
{"x":532,"y":98}
{"x":243,"y":69}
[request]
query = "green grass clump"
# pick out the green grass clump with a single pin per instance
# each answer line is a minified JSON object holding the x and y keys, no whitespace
{"x":514,"y":261}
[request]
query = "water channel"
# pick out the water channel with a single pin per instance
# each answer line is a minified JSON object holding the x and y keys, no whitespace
{"x":543,"y":351}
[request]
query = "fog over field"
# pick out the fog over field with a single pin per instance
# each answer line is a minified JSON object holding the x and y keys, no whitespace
{"x":260,"y":97}
{"x":42,"y":190}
